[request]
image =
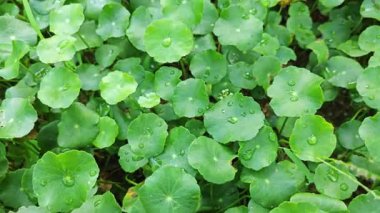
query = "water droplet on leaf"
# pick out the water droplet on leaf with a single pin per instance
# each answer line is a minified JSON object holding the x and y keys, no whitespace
{"x":291,"y":83}
{"x":312,"y":140}
{"x":230,"y":103}
{"x":166,"y":42}
{"x":343,"y":186}
{"x":93,"y":173}
{"x":247,"y":155}
{"x":233,"y":120}
{"x":68,"y":180}
{"x":43,"y":183}
{"x":141,"y":146}
{"x":332,"y":175}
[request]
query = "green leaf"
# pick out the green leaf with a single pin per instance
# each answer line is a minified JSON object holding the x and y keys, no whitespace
{"x":170,"y":189}
{"x":369,"y":39}
{"x":3,"y":162}
{"x":196,"y":127}
{"x":295,"y":92}
{"x":168,"y":40}
{"x":188,"y":12}
{"x":149,"y":100}
{"x":106,"y":54}
{"x":165,"y":81}
{"x":78,"y":126}
{"x":287,"y":207}
{"x":240,"y":75}
{"x":330,"y":3}
{"x":200,"y":66}
{"x":261,"y":151}
{"x":351,"y":47}
{"x":312,"y":138}
{"x":212,"y":160}
{"x":93,"y":8}
{"x":128,"y":160}
{"x":268,"y":45}
{"x":247,"y":29}
{"x":63,"y":181}
{"x":56,"y":49}
{"x":323,"y":202}
{"x":332,"y":183}
{"x":14,"y":29}
{"x":108,"y":131}
{"x":209,"y":17}
{"x":11,"y":194}
{"x":364,"y":203}
{"x":66,"y":20}
{"x":227,"y":120}
{"x":369,"y":9}
{"x":275,"y":184}
{"x":368,"y":86}
{"x":238,"y":209}
{"x":113,"y":21}
{"x":176,"y":149}
{"x":17,"y":118}
{"x":59,"y":88}
{"x":140,"y":20}
{"x":320,"y":49}
{"x":117,"y":86}
{"x":12,"y":63}
{"x":100,"y":203}
{"x":190,"y":98}
{"x":147,"y":134}
{"x":86,"y":37}
{"x":264,"y":69}
{"x":368,"y":131}
{"x":90,"y":76}
{"x":348,"y":135}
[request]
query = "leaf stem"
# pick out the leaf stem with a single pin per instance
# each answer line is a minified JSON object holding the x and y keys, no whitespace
{"x":131,"y":181}
{"x":283,"y":126}
{"x":184,"y":71}
{"x":358,"y":113}
{"x":31,"y":19}
{"x":233,"y":203}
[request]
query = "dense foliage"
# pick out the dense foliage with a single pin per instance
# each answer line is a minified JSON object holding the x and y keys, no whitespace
{"x":189,"y":106}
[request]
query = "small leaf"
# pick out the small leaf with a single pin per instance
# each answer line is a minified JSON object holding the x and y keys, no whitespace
{"x":368,"y":131}
{"x":147,"y":134}
{"x":168,"y":40}
{"x":166,"y":186}
{"x":364,"y":203}
{"x":56,"y":49}
{"x":190,"y":98}
{"x":66,"y":20}
{"x":17,"y":117}
{"x":286,"y":207}
{"x":200,"y":66}
{"x":117,"y":86}
{"x":113,"y":21}
{"x":140,"y":20}
{"x":62,"y":181}
{"x":108,"y":131}
{"x":128,"y":160}
{"x":227,"y":120}
{"x":100,"y":203}
{"x":368,"y":86}
{"x":59,"y":88}
{"x":165,"y":81}
{"x":212,"y":160}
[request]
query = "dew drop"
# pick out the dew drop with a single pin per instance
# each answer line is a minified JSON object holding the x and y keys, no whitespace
{"x":312,"y":140}
{"x":97,"y":202}
{"x":272,"y":136}
{"x":182,"y":152}
{"x":371,"y":97}
{"x":137,"y":158}
{"x":166,"y":42}
{"x":291,"y":83}
{"x":233,"y":120}
{"x":252,"y":111}
{"x":167,"y":84}
{"x":332,"y":175}
{"x":223,"y":111}
{"x":200,"y":110}
{"x":343,"y":186}
{"x":93,"y":173}
{"x":172,"y":72}
{"x":69,"y":201}
{"x":237,"y":30}
{"x":43,"y":183}
{"x":294,"y":98}
{"x":244,"y":114}
{"x":247,"y":155}
{"x":68,"y":180}
{"x":248,"y":76}
{"x":141,"y":146}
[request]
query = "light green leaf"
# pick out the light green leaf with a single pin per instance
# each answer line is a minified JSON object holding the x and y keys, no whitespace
{"x":140,"y":20}
{"x":66,"y":20}
{"x":368,"y":86}
{"x":56,"y":49}
{"x":108,"y":131}
{"x":188,"y":12}
{"x":117,"y":86}
{"x":113,"y":21}
{"x":323,"y":202}
{"x":165,"y":81}
{"x":128,"y":160}
{"x":200,"y":66}
{"x":17,"y":117}
{"x":59,"y":88}
{"x":368,"y":131}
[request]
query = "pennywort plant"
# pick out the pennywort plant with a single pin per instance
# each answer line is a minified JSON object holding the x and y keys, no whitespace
{"x":184,"y":106}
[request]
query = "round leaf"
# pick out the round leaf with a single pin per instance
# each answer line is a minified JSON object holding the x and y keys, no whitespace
{"x":212,"y":160}
{"x":323,"y":202}
{"x":295,"y":91}
{"x":368,"y":131}
{"x":62,"y":181}
{"x":66,"y":20}
{"x":334,"y":184}
{"x":276,"y":184}
{"x":348,"y":135}
{"x":108,"y":131}
{"x":170,"y":189}
{"x":140,"y":19}
{"x":364,"y":203}
{"x":229,"y":118}
{"x":188,"y":12}
{"x":59,"y":88}
{"x":190,"y":98}
{"x":342,"y":72}
{"x":117,"y":86}
{"x":128,"y":160}
{"x":200,"y":66}
{"x":78,"y":126}
{"x":312,"y":138}
{"x":100,"y":203}
{"x":56,"y":49}
{"x":287,"y":207}
{"x":246,"y":28}
{"x":113,"y":21}
{"x":368,"y":86}
{"x":240,"y":75}
{"x":369,"y":9}
{"x":147,"y":134}
{"x":261,"y":151}
{"x":168,"y":40}
{"x":165,"y":80}
{"x":17,"y":117}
